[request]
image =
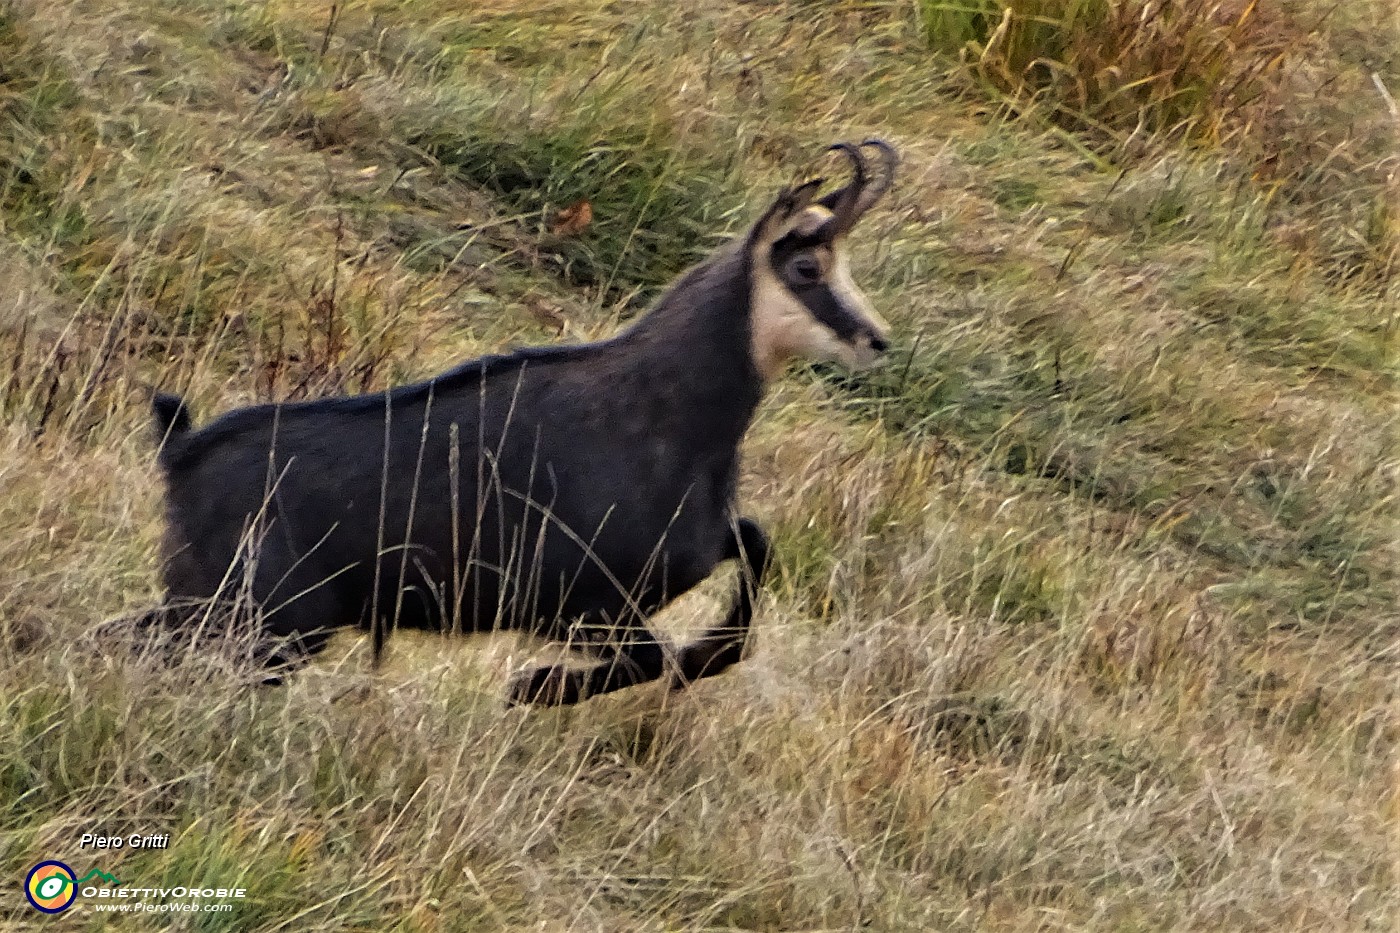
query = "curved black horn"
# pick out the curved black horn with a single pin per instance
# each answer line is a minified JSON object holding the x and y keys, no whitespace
{"x":889,"y":161}
{"x":844,"y":202}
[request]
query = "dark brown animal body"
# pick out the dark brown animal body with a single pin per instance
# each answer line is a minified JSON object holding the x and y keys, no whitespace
{"x":556,"y":490}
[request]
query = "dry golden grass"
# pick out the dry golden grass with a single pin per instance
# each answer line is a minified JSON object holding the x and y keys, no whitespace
{"x":1085,"y":607}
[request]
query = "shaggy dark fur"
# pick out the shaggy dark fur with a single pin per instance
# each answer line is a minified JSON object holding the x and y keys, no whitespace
{"x":569,"y":491}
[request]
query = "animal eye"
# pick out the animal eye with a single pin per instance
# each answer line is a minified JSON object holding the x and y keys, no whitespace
{"x":806,"y":270}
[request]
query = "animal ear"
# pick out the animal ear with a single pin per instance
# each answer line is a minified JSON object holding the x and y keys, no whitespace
{"x":788,"y":204}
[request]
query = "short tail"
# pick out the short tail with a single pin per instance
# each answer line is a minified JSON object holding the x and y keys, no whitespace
{"x":172,"y":415}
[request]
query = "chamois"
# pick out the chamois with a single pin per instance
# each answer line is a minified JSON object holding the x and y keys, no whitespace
{"x":556,"y":490}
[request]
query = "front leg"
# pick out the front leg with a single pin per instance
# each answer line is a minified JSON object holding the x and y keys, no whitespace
{"x":640,"y":658}
{"x":723,"y":646}
{"x":637,"y":659}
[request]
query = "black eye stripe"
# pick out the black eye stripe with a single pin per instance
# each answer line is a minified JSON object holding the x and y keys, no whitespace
{"x":825,"y":306}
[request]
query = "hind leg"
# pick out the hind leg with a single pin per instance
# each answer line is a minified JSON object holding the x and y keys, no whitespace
{"x":183,"y":630}
{"x":277,"y":635}
{"x":163,"y":631}
{"x":299,"y":627}
{"x":263,"y":598}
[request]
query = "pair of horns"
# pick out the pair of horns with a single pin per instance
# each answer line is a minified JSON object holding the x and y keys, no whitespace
{"x":849,"y":204}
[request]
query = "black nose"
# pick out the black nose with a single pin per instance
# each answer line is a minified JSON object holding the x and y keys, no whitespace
{"x":879,"y":344}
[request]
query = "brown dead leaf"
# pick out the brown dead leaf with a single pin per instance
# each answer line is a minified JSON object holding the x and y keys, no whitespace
{"x":572,"y":220}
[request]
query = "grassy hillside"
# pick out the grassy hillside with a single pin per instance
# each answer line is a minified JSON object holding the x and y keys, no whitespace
{"x":1085,"y":606}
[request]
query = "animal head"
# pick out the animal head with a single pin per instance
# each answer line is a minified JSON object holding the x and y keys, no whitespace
{"x":804,"y":302}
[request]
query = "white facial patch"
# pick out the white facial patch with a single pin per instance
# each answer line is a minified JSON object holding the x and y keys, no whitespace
{"x":783,"y":327}
{"x":850,"y":294}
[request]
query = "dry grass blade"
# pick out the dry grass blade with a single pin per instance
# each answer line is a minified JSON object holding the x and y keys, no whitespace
{"x":1083,"y":615}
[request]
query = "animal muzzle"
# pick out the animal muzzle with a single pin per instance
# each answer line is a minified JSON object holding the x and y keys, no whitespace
{"x":868,"y":347}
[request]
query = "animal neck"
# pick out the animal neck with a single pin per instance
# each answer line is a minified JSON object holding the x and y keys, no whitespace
{"x":695,"y":346}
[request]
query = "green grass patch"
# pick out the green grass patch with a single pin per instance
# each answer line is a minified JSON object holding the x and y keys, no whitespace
{"x":1180,"y":67}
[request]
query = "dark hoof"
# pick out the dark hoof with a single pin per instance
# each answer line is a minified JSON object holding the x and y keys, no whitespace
{"x":543,"y":686}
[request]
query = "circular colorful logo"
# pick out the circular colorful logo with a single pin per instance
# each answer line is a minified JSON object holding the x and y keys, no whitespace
{"x":51,"y":887}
